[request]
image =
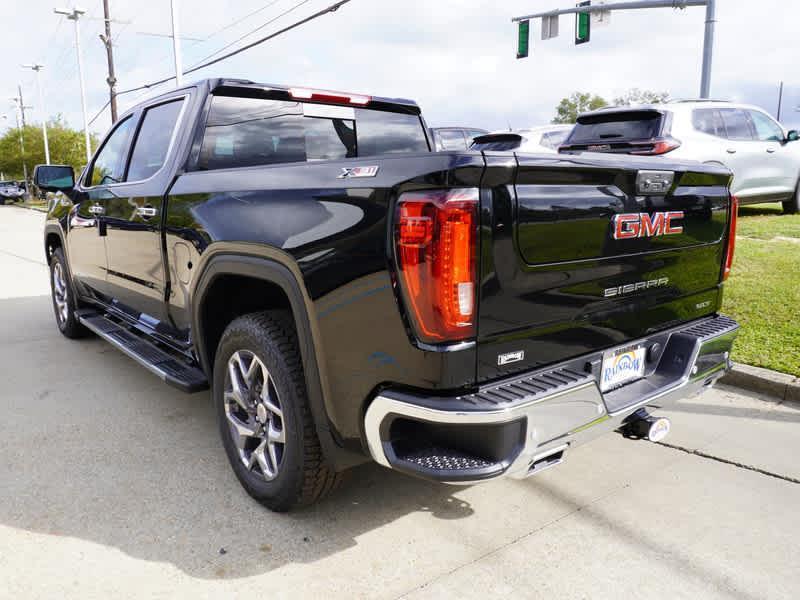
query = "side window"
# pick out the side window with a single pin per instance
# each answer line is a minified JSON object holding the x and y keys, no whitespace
{"x":737,"y":125}
{"x":152,"y":142}
{"x":109,"y":166}
{"x":708,"y":120}
{"x":451,"y":139}
{"x":767,"y":130}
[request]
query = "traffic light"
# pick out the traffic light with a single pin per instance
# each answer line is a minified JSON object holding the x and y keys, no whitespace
{"x":583,"y":27}
{"x":524,"y":37}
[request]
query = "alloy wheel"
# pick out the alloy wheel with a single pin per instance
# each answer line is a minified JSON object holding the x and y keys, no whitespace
{"x":60,"y":293}
{"x":254,"y":414}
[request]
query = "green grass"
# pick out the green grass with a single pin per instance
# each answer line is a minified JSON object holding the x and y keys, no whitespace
{"x":765,"y":222}
{"x":763,"y":292}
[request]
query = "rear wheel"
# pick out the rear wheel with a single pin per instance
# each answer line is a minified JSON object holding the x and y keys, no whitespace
{"x":64,"y":303}
{"x":792,"y":206}
{"x":263,"y":414}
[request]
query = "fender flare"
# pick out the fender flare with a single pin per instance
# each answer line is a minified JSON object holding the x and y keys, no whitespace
{"x":278,"y":268}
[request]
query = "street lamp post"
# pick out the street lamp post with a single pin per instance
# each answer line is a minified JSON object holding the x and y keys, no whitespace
{"x":37,"y":67}
{"x":74,"y":15}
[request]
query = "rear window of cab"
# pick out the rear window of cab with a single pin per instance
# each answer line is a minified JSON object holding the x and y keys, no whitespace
{"x":243,"y":132}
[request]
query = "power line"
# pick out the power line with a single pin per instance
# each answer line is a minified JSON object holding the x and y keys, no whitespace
{"x":244,"y":18}
{"x":259,"y":28}
{"x":332,"y":8}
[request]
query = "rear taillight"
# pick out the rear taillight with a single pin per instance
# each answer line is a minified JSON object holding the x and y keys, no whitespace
{"x":661,"y":146}
{"x":731,"y":237}
{"x":436,"y":239}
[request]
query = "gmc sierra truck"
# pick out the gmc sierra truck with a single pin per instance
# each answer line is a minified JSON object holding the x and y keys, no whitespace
{"x":346,"y":293}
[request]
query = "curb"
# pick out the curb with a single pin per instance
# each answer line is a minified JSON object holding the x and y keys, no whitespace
{"x":785,"y":388}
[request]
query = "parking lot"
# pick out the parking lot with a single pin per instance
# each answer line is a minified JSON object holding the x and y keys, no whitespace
{"x":114,"y":485}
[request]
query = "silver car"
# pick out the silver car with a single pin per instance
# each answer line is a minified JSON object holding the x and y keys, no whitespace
{"x":759,"y":151}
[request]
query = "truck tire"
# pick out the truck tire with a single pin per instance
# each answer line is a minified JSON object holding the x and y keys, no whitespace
{"x":263,"y":413}
{"x":64,"y":302}
{"x":792,"y":206}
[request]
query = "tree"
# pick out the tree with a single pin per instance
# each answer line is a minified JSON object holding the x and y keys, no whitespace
{"x":637,"y":96}
{"x":66,"y":147}
{"x":568,"y":109}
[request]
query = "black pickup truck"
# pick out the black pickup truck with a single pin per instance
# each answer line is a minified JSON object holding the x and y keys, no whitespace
{"x":347,"y":293}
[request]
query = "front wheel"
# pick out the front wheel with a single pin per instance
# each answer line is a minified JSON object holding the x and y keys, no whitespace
{"x":792,"y":206}
{"x":264,"y":419}
{"x":64,"y":303}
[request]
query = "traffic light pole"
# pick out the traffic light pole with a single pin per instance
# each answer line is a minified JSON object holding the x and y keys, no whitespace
{"x":708,"y":39}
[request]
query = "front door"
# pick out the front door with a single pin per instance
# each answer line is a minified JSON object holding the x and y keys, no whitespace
{"x":136,"y":266}
{"x":87,"y":228}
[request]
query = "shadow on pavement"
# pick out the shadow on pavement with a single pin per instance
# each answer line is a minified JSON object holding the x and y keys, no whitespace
{"x":97,"y":448}
{"x":787,"y":415}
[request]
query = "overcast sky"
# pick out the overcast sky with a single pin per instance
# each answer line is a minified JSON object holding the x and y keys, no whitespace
{"x":455,"y":57}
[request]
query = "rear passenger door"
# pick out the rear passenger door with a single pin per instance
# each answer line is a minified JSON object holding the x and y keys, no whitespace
{"x":743,"y":154}
{"x":137,"y":279}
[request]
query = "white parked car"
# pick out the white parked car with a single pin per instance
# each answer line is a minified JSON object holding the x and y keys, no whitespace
{"x":545,"y":139}
{"x":762,"y":154}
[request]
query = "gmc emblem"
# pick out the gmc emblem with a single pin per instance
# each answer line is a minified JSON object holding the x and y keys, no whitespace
{"x":639,"y":225}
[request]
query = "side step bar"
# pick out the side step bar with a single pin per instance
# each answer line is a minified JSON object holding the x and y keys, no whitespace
{"x":185,"y":377}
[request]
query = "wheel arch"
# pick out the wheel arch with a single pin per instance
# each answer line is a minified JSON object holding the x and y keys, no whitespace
{"x":53,"y":238}
{"x":278,"y":269}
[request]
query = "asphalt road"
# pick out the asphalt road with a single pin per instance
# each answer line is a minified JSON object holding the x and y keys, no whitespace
{"x":113,"y":485}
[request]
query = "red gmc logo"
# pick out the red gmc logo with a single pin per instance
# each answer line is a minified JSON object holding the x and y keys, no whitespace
{"x":639,"y":225}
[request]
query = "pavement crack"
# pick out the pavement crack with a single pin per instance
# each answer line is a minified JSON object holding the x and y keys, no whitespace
{"x":733,"y":463}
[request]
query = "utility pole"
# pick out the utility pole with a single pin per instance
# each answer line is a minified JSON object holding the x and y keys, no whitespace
{"x":112,"y":79}
{"x":21,"y":139}
{"x":176,"y":43}
{"x":780,"y":101}
{"x":74,"y":15}
{"x":38,"y":68}
{"x":587,"y":8}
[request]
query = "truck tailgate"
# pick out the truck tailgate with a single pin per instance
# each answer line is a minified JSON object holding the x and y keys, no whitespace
{"x":580,"y":259}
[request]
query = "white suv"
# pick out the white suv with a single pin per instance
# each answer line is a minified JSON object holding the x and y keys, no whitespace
{"x":755,"y":147}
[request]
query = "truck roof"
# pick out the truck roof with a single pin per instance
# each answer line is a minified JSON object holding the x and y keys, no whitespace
{"x":221,"y":84}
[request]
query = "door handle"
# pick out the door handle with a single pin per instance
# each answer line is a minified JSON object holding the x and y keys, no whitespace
{"x":771,"y":150}
{"x":96,"y":209}
{"x":146,"y":212}
{"x":731,"y":151}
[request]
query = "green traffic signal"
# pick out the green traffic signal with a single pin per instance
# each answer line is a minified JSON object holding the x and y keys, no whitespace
{"x":583,"y":28}
{"x":524,"y":37}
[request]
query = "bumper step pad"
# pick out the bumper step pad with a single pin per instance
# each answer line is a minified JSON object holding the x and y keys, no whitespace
{"x":185,"y":377}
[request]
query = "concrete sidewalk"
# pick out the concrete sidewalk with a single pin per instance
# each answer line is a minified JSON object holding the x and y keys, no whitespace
{"x":114,"y":485}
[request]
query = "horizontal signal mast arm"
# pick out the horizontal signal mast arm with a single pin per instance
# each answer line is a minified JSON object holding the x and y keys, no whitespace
{"x":615,"y":6}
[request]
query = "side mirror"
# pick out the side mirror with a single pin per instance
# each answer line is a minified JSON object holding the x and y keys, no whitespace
{"x":793,"y":136}
{"x":54,"y":178}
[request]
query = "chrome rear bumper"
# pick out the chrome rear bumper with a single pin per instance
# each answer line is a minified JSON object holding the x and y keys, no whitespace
{"x":522,"y":425}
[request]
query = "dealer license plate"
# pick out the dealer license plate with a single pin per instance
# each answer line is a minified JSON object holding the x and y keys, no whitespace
{"x":621,"y":366}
